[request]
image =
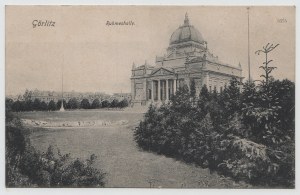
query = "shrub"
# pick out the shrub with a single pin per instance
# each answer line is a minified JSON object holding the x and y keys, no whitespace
{"x":96,"y":104}
{"x":27,"y":167}
{"x":85,"y":104}
{"x":114,"y":103}
{"x":36,"y":104}
{"x":247,"y":135}
{"x":105,"y":104}
{"x":52,"y":105}
{"x":123,"y":103}
{"x":73,"y":104}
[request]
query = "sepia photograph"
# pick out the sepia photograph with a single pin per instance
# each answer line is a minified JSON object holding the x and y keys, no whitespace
{"x":132,"y":96}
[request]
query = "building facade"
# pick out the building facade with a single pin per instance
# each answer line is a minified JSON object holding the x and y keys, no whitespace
{"x":187,"y":58}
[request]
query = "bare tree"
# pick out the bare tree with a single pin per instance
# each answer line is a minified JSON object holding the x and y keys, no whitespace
{"x":268,"y":69}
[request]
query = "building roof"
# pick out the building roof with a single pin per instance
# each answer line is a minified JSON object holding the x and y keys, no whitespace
{"x":185,"y":33}
{"x":187,"y":50}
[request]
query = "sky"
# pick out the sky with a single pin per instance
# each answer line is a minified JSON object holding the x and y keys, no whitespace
{"x":95,"y":57}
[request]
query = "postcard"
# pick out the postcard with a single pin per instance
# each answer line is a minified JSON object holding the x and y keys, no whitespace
{"x":102,"y":96}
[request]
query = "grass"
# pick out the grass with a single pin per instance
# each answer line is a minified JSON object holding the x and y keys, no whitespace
{"x":118,"y":155}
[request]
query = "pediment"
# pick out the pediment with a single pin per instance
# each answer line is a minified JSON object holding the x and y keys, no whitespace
{"x":162,"y":71}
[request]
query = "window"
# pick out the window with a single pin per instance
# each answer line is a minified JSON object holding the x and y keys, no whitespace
{"x":215,"y":89}
{"x":221,"y":89}
{"x":210,"y":89}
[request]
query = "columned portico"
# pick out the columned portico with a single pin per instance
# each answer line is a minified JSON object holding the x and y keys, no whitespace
{"x":162,"y":89}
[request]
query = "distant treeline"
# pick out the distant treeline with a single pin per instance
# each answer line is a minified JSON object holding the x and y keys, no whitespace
{"x":38,"y":105}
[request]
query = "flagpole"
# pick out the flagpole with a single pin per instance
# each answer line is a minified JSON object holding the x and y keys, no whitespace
{"x":249,"y":77}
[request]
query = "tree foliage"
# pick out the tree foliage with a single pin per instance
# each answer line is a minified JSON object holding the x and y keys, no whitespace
{"x":36,"y":104}
{"x":96,"y":104}
{"x":248,"y":134}
{"x":193,"y":88}
{"x":27,"y":167}
{"x":105,"y":104}
{"x":73,"y":104}
{"x":58,"y":104}
{"x":114,"y":103}
{"x":85,"y":104}
{"x":266,"y":65}
{"x":52,"y":106}
{"x":123,"y":103}
{"x":27,"y":95}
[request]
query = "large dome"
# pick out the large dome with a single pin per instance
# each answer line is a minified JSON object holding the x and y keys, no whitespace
{"x":185,"y":33}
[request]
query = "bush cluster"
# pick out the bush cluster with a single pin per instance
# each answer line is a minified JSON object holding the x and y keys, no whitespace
{"x":73,"y":103}
{"x":246,"y":134}
{"x":27,"y":167}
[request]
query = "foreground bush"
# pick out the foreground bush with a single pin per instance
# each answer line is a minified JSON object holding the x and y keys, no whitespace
{"x":27,"y":167}
{"x":248,"y":136}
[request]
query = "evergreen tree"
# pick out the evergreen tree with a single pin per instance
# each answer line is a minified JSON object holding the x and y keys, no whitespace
{"x":8,"y":104}
{"x":105,"y":104}
{"x":180,"y":102}
{"x":28,"y":105}
{"x":203,"y":102}
{"x":43,"y":106}
{"x":284,"y":93}
{"x":27,"y":95}
{"x":85,"y":104}
{"x":58,"y":104}
{"x":36,"y":104}
{"x":204,"y":93}
{"x":249,"y":93}
{"x":114,"y":103}
{"x":193,"y":88}
{"x":249,"y":98}
{"x":96,"y":104}
{"x":73,"y":104}
{"x":123,"y":103}
{"x":266,"y":65}
{"x":17,"y":106}
{"x":230,"y":100}
{"x":52,"y":105}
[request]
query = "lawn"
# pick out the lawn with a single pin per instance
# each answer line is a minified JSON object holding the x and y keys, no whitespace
{"x":118,"y":155}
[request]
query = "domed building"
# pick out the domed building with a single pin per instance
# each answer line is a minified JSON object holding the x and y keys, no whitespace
{"x":187,"y":58}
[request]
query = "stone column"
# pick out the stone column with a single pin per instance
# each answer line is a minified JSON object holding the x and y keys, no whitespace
{"x":167,"y":89}
{"x":175,"y":85}
{"x":152,"y":90}
{"x":158,"y":91}
{"x":163,"y":90}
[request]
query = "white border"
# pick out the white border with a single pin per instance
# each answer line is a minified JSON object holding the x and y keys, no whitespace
{"x":76,"y":191}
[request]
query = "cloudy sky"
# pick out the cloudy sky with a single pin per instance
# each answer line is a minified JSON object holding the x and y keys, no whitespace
{"x":97,"y":57}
